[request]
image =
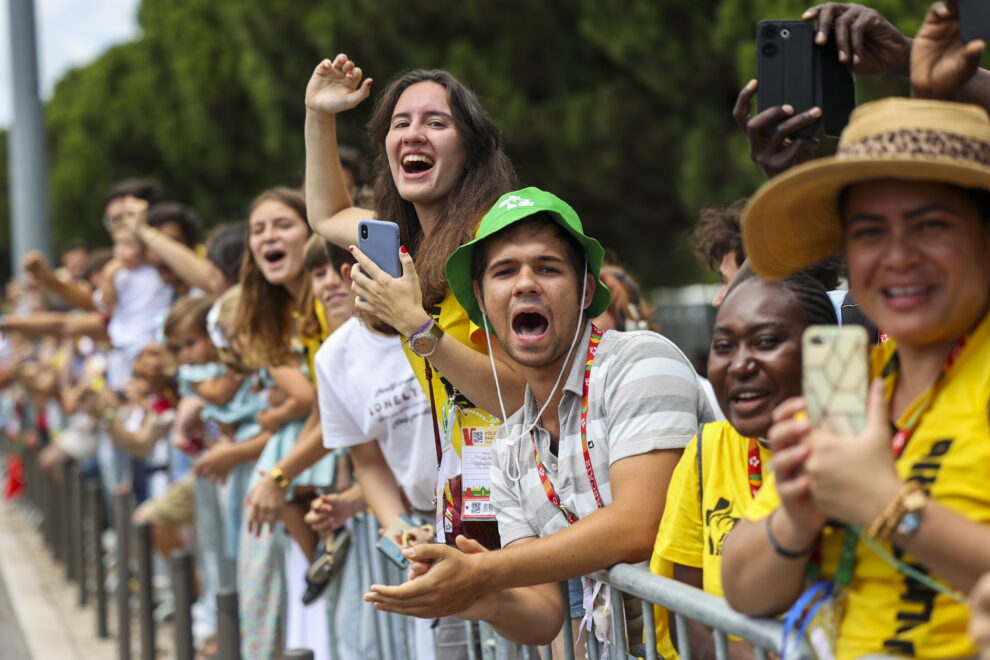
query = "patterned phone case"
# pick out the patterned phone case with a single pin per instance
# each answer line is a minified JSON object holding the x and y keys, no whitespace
{"x":835,"y":377}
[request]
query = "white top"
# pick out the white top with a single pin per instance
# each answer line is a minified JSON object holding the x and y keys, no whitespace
{"x":143,"y":300}
{"x":367,"y":391}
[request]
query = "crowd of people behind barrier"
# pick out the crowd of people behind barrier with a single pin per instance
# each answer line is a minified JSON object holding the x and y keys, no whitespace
{"x":506,"y":408}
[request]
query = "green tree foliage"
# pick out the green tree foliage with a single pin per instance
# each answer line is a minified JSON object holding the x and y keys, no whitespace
{"x":620,"y":106}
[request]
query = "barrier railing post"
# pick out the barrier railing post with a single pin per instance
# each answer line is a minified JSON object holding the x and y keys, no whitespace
{"x":650,"y":630}
{"x":30,"y":478}
{"x":78,"y":531}
{"x":53,"y":514}
{"x":49,"y":522}
{"x":146,"y":621}
{"x":182,"y":586}
{"x":228,"y":625}
{"x":86,"y":526}
{"x":69,"y":519}
{"x":61,"y":516}
{"x":619,"y":639}
{"x":122,"y":521}
{"x":94,"y":506}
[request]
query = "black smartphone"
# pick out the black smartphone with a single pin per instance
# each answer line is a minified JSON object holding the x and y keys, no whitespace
{"x":379,"y":239}
{"x":785,"y":66}
{"x":835,"y":90}
{"x":974,"y":20}
{"x":793,"y":69}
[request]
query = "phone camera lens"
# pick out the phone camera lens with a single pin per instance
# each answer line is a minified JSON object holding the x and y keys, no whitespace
{"x":785,"y":33}
{"x":769,"y":32}
{"x":769,"y":50}
{"x":364,"y":232}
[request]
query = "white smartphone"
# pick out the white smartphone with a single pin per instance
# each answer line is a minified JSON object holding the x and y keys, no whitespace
{"x":835,"y":376}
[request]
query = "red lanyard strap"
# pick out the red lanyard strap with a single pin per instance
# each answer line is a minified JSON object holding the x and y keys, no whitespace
{"x":754,"y":467}
{"x":596,"y":338}
{"x":903,"y":434}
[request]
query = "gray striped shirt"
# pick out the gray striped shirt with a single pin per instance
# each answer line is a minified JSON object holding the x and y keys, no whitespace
{"x":643,"y":395}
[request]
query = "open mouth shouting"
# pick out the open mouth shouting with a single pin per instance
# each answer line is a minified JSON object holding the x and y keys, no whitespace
{"x":415,"y":165}
{"x":273,"y":256}
{"x":529,"y":325}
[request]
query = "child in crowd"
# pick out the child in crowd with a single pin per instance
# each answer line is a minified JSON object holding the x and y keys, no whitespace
{"x":135,"y":299}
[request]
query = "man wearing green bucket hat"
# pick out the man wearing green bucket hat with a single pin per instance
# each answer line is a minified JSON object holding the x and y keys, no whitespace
{"x":579,"y":474}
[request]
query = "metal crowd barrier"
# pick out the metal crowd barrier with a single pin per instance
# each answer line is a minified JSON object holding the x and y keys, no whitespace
{"x":682,"y":601}
{"x":73,"y":516}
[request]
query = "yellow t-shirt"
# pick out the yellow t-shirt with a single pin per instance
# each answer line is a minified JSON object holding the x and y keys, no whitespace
{"x":949,"y":454}
{"x":692,"y":538}
{"x":692,"y":531}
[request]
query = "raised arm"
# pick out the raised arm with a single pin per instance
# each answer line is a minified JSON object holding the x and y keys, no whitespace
{"x":183,"y":261}
{"x":335,"y":86}
{"x":942,"y":65}
{"x":73,"y":294}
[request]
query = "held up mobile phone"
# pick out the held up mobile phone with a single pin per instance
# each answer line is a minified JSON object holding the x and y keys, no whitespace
{"x":792,"y":69}
{"x":835,"y":377}
{"x":379,"y":239}
{"x":974,"y":20}
{"x":390,"y":543}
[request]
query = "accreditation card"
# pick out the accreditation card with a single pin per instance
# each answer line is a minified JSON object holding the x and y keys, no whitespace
{"x":476,"y":462}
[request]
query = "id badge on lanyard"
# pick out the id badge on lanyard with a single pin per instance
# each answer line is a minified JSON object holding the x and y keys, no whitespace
{"x":819,"y":612}
{"x":476,"y":463}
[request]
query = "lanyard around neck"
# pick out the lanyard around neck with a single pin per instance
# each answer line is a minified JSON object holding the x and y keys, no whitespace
{"x":754,"y":467}
{"x":847,"y":555}
{"x":596,"y":337}
{"x":890,"y":371}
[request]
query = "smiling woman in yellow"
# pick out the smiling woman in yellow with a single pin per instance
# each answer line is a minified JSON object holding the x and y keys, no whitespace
{"x":754,"y":365}
{"x":895,"y":517}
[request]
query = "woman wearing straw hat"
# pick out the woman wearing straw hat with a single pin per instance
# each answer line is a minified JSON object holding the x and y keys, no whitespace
{"x":888,"y":524}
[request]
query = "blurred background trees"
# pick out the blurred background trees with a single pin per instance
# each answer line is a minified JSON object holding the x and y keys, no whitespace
{"x":622,"y":107}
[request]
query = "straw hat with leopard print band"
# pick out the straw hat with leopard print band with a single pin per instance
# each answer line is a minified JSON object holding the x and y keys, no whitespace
{"x":794,"y":220}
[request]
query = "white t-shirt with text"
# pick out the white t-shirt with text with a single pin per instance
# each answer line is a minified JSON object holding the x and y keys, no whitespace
{"x":367,"y":391}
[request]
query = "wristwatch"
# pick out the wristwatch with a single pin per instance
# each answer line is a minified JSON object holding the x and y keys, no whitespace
{"x":914,"y":506}
{"x":425,"y":340}
{"x":279,"y":478}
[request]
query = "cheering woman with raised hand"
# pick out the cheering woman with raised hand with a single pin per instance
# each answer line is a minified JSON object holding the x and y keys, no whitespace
{"x":440,"y":167}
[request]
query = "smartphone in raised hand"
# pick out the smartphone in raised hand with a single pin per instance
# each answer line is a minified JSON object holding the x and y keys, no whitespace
{"x":793,"y":70}
{"x":835,"y":377}
{"x":785,"y":66}
{"x":974,"y":20}
{"x":379,"y":240}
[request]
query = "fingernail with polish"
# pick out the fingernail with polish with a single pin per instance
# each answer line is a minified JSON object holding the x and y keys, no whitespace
{"x":403,"y":250}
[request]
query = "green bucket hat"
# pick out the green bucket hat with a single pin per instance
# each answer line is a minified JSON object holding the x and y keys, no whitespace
{"x":511,"y":208}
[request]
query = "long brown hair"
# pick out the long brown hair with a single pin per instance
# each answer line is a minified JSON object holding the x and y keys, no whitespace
{"x":487,"y":176}
{"x":266,"y":312}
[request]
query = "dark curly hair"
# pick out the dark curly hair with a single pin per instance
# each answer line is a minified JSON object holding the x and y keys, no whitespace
{"x":719,"y":233}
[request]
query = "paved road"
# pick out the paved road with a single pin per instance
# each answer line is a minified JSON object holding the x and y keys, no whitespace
{"x":12,"y":644}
